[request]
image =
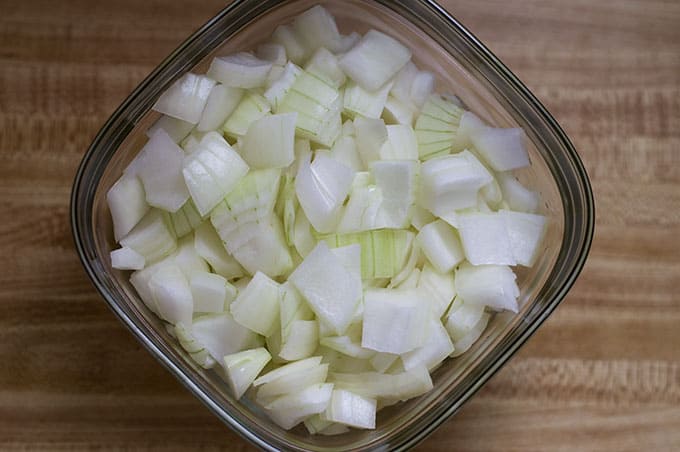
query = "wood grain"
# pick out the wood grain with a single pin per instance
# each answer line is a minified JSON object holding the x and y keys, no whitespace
{"x":603,"y":373}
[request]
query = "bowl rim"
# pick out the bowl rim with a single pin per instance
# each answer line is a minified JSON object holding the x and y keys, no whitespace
{"x":121,"y":118}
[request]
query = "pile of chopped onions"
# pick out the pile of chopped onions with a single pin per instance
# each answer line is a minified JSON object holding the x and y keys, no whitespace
{"x":319,"y":225}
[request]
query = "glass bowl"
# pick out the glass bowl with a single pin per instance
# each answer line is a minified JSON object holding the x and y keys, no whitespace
{"x":462,"y":66}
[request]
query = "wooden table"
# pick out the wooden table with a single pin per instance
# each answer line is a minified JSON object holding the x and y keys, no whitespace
{"x":603,"y":373}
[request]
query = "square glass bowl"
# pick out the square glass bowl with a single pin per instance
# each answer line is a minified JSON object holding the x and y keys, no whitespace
{"x":463,"y":66}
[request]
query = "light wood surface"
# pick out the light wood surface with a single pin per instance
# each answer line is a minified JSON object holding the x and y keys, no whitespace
{"x":603,"y":373}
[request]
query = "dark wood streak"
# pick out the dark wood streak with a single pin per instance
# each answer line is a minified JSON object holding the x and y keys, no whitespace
{"x":603,"y":373}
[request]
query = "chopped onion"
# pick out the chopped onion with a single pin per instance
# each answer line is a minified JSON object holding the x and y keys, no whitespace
{"x":243,"y":367}
{"x":127,"y":259}
{"x":151,"y":237}
{"x":241,"y":70}
{"x":221,"y":103}
{"x":395,"y":321}
{"x":374,"y":60}
{"x":503,"y":149}
{"x":269,"y":142}
{"x":488,"y":285}
{"x":127,"y":204}
{"x":209,"y":292}
{"x":222,"y":335}
{"x":331,"y":290}
{"x":175,"y":128}
{"x":441,"y":245}
{"x":435,"y":350}
{"x":349,"y":259}
{"x":160,"y":170}
{"x":186,"y":98}
{"x":212,"y":171}
{"x":351,"y":409}
{"x":321,"y":187}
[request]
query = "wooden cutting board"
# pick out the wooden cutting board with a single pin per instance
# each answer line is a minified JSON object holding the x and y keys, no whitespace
{"x":603,"y":373}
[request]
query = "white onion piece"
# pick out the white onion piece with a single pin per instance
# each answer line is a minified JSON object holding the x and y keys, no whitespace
{"x":127,"y":204}
{"x":462,"y":345}
{"x":279,"y":87}
{"x":126,"y":259}
{"x":403,"y":80}
{"x":243,"y":367}
{"x":221,"y":103}
{"x":241,"y":70}
{"x":435,"y":350}
{"x":351,"y":409}
{"x":172,"y":295}
{"x":452,"y":182}
{"x":321,"y":187}
{"x":212,"y":171}
{"x":346,"y":42}
{"x":209,"y":292}
{"x":397,"y":179}
{"x":345,"y":151}
{"x":186,"y":219}
{"x":525,"y":234}
{"x":518,"y":197}
{"x":295,"y":50}
{"x":151,"y":237}
{"x":302,"y":238}
{"x":269,"y":142}
{"x":440,"y":287}
{"x":488,"y":285}
{"x":503,"y":149}
{"x":186,"y":98}
{"x":358,"y":102}
{"x":422,"y":87}
{"x":362,"y":210}
{"x":300,"y":341}
{"x":196,"y":350}
{"x":331,"y":290}
{"x":176,"y":128}
{"x":257,"y":306}
{"x":469,"y":125}
{"x":140,"y":281}
{"x":325,"y":65}
{"x":222,"y":335}
{"x":297,"y":368}
{"x":187,"y":259}
{"x":371,"y":135}
{"x":290,"y":410}
{"x":292,"y":307}
{"x":160,"y":170}
{"x":395,"y":321}
{"x":316,"y":28}
{"x":401,"y":144}
{"x":420,"y":217}
{"x":485,"y":239}
{"x":318,"y":105}
{"x":374,"y":60}
{"x":441,"y":245}
{"x":210,"y":247}
{"x":252,"y":107}
{"x":399,"y":386}
{"x":462,"y":318}
{"x":262,"y":247}
{"x":347,"y":346}
{"x":292,"y":379}
{"x":318,"y":423}
{"x":383,"y":361}
{"x":398,"y":112}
